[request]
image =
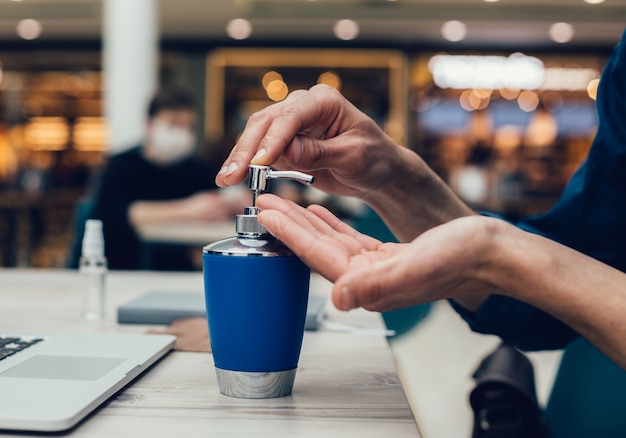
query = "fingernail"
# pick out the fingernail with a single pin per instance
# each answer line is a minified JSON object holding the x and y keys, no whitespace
{"x":347,"y":300}
{"x":222,"y":171}
{"x":260,"y":154}
{"x":232,"y":168}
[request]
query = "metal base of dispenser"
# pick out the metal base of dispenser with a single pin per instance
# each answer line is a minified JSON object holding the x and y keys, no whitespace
{"x":243,"y":384}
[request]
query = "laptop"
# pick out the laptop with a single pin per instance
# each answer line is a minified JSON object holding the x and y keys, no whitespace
{"x":51,"y":382}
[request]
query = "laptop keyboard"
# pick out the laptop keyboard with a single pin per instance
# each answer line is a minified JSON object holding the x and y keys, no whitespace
{"x":9,"y":345}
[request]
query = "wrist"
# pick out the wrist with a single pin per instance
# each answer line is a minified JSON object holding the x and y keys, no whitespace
{"x":510,"y":259}
{"x":414,"y":199}
{"x":485,"y":269}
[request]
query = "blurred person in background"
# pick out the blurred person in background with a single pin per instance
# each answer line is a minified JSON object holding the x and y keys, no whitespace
{"x":158,"y":181}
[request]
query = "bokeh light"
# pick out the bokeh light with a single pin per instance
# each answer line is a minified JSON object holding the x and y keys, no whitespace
{"x":277,"y":90}
{"x":472,"y":101}
{"x":561,"y":32}
{"x":29,"y":29}
{"x":454,"y":30}
{"x":239,"y":29}
{"x":346,"y":29}
{"x":331,"y":79}
{"x":269,"y":77}
{"x":552,"y":101}
{"x":509,"y":93}
{"x":592,"y":88}
{"x":528,"y":101}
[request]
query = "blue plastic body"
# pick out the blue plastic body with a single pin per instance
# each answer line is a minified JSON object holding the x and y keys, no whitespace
{"x":256,"y":308}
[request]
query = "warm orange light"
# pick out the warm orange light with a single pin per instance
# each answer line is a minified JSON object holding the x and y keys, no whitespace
{"x":592,"y":88}
{"x":277,"y":90}
{"x":472,"y":101}
{"x":509,"y":93}
{"x":528,"y":101}
{"x":464,"y":100}
{"x":269,"y":77}
{"x":542,"y":130}
{"x":331,"y":79}
{"x":47,"y":133}
{"x":483,"y":93}
{"x":90,"y":134}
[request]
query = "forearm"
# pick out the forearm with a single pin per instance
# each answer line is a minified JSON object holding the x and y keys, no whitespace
{"x":584,"y":293}
{"x":415,"y":199}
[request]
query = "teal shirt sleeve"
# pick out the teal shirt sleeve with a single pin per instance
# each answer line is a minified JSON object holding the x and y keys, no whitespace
{"x":590,"y":216}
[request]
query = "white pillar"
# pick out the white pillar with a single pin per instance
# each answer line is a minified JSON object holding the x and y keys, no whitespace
{"x":130,"y":61}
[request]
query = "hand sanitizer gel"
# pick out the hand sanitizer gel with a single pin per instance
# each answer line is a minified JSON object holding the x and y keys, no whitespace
{"x":93,"y":267}
{"x":256,"y":293}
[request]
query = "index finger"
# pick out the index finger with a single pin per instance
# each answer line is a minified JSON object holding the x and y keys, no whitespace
{"x":234,"y":169}
{"x":269,"y":132}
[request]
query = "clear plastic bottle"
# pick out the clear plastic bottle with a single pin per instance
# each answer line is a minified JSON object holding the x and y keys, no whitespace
{"x":93,"y":267}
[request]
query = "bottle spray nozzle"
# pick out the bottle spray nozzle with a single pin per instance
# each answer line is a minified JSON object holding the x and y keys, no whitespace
{"x":93,"y":239}
{"x":93,"y":266}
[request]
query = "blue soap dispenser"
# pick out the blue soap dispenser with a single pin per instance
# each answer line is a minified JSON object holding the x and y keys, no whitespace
{"x":256,"y":293}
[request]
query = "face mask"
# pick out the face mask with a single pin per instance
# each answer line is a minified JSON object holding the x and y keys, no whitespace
{"x":169,"y":144}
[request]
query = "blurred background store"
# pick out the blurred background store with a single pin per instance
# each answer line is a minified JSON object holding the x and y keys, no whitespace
{"x":497,"y":96}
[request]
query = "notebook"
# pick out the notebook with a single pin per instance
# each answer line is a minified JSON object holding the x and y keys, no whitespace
{"x":163,"y":307}
{"x":51,"y":382}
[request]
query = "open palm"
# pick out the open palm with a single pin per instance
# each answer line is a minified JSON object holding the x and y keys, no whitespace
{"x":444,"y":262}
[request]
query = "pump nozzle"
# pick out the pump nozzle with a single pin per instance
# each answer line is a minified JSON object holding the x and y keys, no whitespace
{"x":259,"y":176}
{"x":258,"y":182}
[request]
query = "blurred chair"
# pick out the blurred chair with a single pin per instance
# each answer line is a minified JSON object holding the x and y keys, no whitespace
{"x":588,"y":398}
{"x":401,"y":320}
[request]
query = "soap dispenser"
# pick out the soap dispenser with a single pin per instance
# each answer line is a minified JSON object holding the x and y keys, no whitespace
{"x":256,"y":293}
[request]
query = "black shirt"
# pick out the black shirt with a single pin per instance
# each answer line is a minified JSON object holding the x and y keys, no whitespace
{"x":129,"y":177}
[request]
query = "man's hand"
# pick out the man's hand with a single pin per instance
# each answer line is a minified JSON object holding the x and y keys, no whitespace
{"x":319,"y":132}
{"x":445,"y":262}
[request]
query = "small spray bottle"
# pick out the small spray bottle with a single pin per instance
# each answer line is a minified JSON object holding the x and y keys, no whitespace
{"x":256,"y":293}
{"x":93,"y":267}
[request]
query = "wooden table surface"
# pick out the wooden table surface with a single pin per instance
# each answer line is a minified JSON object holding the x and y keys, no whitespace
{"x":346,"y":386}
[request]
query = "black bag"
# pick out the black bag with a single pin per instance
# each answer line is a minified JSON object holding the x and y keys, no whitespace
{"x":504,"y":400}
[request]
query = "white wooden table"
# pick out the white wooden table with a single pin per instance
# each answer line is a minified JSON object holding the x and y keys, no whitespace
{"x":346,"y":385}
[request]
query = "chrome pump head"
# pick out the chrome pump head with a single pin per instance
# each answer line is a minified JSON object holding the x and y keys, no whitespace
{"x":258,"y":182}
{"x":259,"y":176}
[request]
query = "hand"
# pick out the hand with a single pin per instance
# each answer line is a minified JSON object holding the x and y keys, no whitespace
{"x":319,"y":132}
{"x":445,"y":262}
